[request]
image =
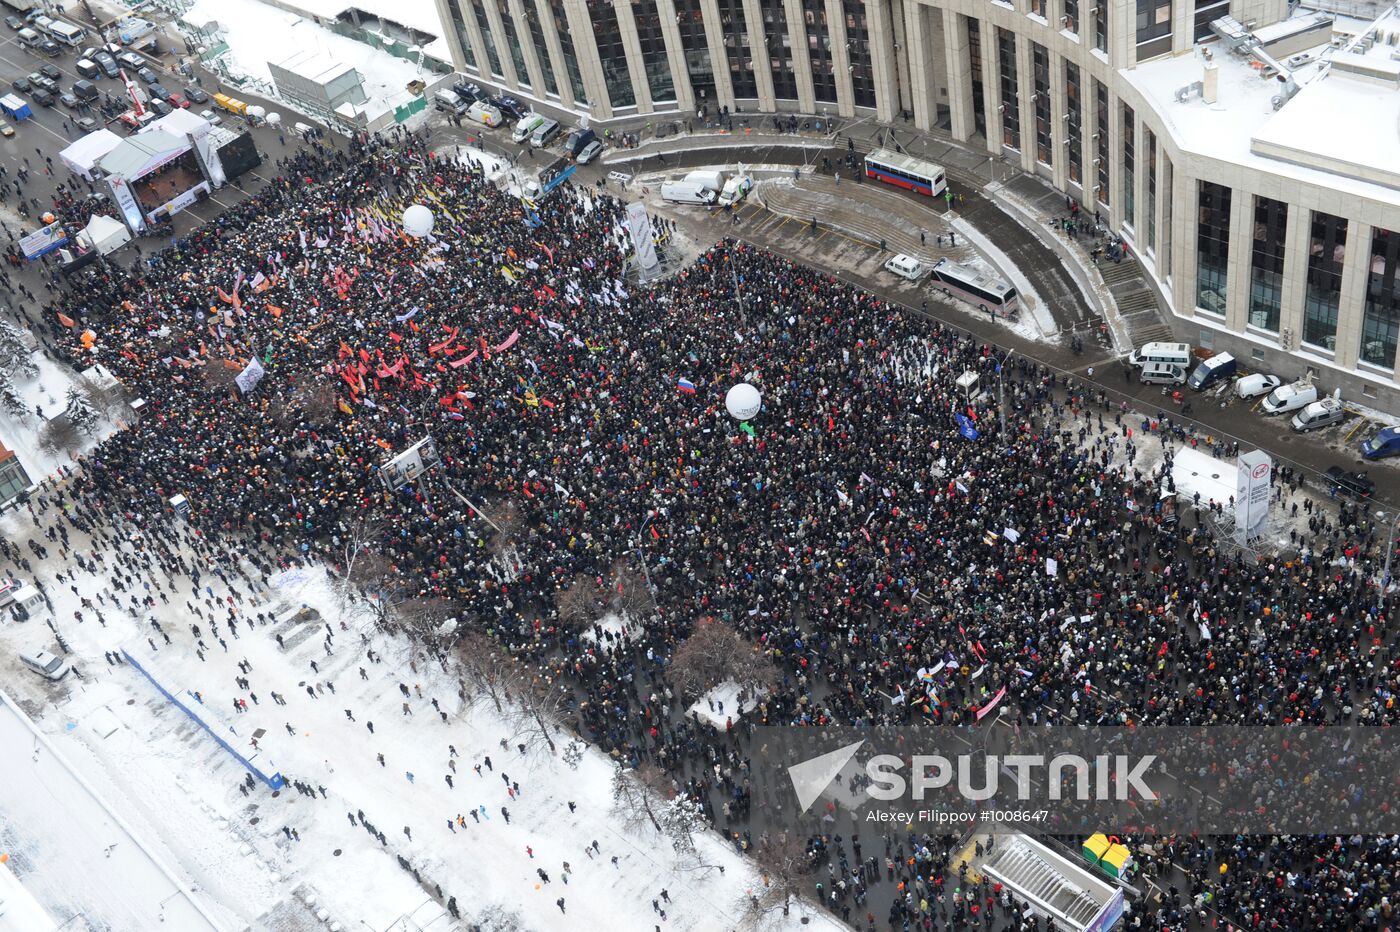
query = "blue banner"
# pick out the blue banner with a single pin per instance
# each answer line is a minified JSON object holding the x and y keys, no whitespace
{"x":966,"y":428}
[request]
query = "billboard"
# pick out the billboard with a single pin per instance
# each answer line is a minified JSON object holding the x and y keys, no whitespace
{"x":43,"y":241}
{"x":639,"y":227}
{"x":410,"y":464}
{"x":1253,"y":470}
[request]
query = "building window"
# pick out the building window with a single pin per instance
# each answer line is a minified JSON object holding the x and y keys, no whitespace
{"x":1038,"y":8}
{"x":1381,"y":323}
{"x":1040,"y":60}
{"x":1212,"y":246}
{"x":974,"y":55}
{"x":654,"y":55}
{"x":1266,"y":263}
{"x":736,"y":49}
{"x":488,"y":39}
{"x":611,"y":54}
{"x":1205,"y":13}
{"x":1164,"y":259}
{"x":1257,"y":354}
{"x":779,"y":49}
{"x":1129,"y":154}
{"x":1150,"y":221}
{"x":1073,"y":131}
{"x":1154,"y":28}
{"x":532,"y":17}
{"x":464,"y":38}
{"x":695,"y":46}
{"x":1100,"y":11}
{"x":819,"y":50}
{"x":1101,"y":133}
{"x":1010,"y":102}
{"x":1327,"y":253}
{"x":566,"y":46}
{"x":1071,"y":20}
{"x":517,"y":54}
{"x":858,"y":52}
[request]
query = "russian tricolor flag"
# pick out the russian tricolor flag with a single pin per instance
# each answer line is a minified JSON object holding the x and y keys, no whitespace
{"x":686,"y":386}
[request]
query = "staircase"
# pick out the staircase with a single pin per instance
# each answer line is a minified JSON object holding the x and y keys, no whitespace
{"x":1137,"y":302}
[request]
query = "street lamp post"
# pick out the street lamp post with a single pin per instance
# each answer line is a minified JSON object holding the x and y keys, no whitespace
{"x":642,"y":558}
{"x":1001,"y":394}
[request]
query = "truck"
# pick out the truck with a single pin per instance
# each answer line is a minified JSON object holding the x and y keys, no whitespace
{"x":710,"y":179}
{"x":24,"y":6}
{"x":231,"y":104}
{"x":685,"y":191}
{"x":735,"y":190}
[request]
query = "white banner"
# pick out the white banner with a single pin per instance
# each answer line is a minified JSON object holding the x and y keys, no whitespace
{"x":639,"y":226}
{"x":249,"y":378}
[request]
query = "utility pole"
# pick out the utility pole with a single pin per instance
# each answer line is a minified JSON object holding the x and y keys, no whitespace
{"x":1001,"y":394}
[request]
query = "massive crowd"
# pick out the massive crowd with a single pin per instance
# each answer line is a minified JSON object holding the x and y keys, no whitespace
{"x":851,"y":532}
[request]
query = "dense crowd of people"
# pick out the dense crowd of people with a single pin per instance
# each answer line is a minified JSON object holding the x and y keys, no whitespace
{"x":875,"y":519}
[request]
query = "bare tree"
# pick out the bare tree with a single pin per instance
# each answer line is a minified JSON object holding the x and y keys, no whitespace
{"x":109,"y":399}
{"x":313,"y":399}
{"x":785,"y":868}
{"x":423,"y":617}
{"x":217,"y":376}
{"x":715,"y":653}
{"x":59,"y":435}
{"x":510,"y":526}
{"x":543,"y":699}
{"x":631,"y":593}
{"x":488,"y":672}
{"x":579,"y":604}
{"x":639,"y":796}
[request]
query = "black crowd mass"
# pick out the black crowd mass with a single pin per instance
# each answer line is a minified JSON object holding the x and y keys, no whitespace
{"x":851,"y":533}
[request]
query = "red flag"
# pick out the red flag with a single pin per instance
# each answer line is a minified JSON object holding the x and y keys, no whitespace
{"x":1161,"y":651}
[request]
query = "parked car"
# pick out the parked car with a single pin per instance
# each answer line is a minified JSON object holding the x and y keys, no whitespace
{"x":51,"y":72}
{"x":158,"y":91}
{"x":86,"y":124}
{"x":1385,"y":443}
{"x":906,"y":267}
{"x":14,"y":22}
{"x":147,"y":75}
{"x":1355,"y":484}
{"x":50,"y":48}
{"x":1256,"y":384}
{"x":44,"y":663}
{"x":6,"y":129}
{"x":590,"y":152}
{"x":175,"y":100}
{"x":130,"y":60}
{"x":68,"y":100}
{"x":510,"y":106}
{"x":196,"y":96}
{"x":44,"y":83}
{"x":22,"y":85}
{"x":107,"y":63}
{"x":161,"y":107}
{"x":42,"y":97}
{"x":211,"y":116}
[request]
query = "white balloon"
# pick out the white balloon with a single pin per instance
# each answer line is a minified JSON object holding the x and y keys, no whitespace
{"x":417,"y":220}
{"x":743,"y":401}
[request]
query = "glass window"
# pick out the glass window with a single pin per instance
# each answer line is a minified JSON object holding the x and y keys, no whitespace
{"x":737,"y":50}
{"x":1010,"y":102}
{"x":1266,"y":263}
{"x":1150,"y":221}
{"x":1205,"y":13}
{"x":1381,"y":323}
{"x":1100,"y":24}
{"x":1129,"y":154}
{"x":488,"y":39}
{"x":695,"y":45}
{"x":974,"y":55}
{"x":566,"y":45}
{"x":1154,"y":28}
{"x":464,"y":38}
{"x":819,"y":50}
{"x":13,"y":479}
{"x":517,"y":54}
{"x":654,"y":56}
{"x":1040,"y":61}
{"x":611,"y":54}
{"x":1101,"y":131}
{"x":1212,"y":246}
{"x":779,"y":49}
{"x":1327,"y":252}
{"x":1164,"y":260}
{"x":1074,"y":131}
{"x":1038,"y":8}
{"x":858,"y":52}
{"x":532,"y":17}
{"x":1071,"y":15}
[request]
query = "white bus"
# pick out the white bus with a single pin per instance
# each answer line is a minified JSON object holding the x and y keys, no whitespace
{"x":65,"y":33}
{"x":983,"y":289}
{"x":905,"y":171}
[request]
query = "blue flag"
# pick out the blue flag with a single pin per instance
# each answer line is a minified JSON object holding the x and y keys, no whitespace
{"x":965,"y":427}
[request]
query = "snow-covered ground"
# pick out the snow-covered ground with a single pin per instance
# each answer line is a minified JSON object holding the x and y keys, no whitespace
{"x":179,"y":789}
{"x":46,"y":392}
{"x":1035,"y":321}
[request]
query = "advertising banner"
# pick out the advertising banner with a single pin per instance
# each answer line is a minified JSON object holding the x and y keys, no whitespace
{"x":639,"y":227}
{"x":43,"y":241}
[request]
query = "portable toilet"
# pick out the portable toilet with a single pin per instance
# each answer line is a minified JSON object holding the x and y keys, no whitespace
{"x":1095,"y":846}
{"x":1115,"y":860}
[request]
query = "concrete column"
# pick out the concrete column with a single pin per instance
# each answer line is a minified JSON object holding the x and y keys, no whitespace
{"x":589,"y":65}
{"x":1059,"y":126}
{"x":877,"y":16}
{"x":445,"y":11}
{"x":1115,"y":161}
{"x":535,"y":74}
{"x":801,"y":56}
{"x":1183,"y":27}
{"x":959,"y":64}
{"x":762,"y":59}
{"x":556,"y":54}
{"x":1352,"y":303}
{"x":841,"y":59}
{"x":1122,"y":34}
{"x":719,"y":57}
{"x":1025,"y":90}
{"x":1184,"y":209}
{"x":675,"y":56}
{"x":636,"y":62}
{"x":919,"y":33}
{"x":1295,"y":274}
{"x":991,"y":86}
{"x":899,"y":26}
{"x":1241,"y":250}
{"x":498,"y":31}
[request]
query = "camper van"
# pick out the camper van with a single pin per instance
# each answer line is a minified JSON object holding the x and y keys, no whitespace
{"x":1177,"y":354}
{"x":485,"y":114}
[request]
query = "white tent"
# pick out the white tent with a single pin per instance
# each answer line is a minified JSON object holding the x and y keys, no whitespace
{"x":82,"y":156}
{"x":105,"y":234}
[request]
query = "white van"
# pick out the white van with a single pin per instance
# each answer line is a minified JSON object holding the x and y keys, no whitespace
{"x":544,"y":133}
{"x":1320,"y":414}
{"x":1290,"y":397}
{"x":484,"y":113}
{"x":448,"y":102}
{"x":687,"y":192}
{"x":526,"y":127}
{"x":1176,"y":354}
{"x":44,"y":663}
{"x":1163,"y":373}
{"x":906,"y":267}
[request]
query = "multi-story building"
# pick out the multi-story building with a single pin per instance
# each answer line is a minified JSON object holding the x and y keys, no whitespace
{"x":1239,"y":146}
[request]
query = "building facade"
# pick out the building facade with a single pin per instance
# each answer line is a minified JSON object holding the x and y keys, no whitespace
{"x":1254,"y":171}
